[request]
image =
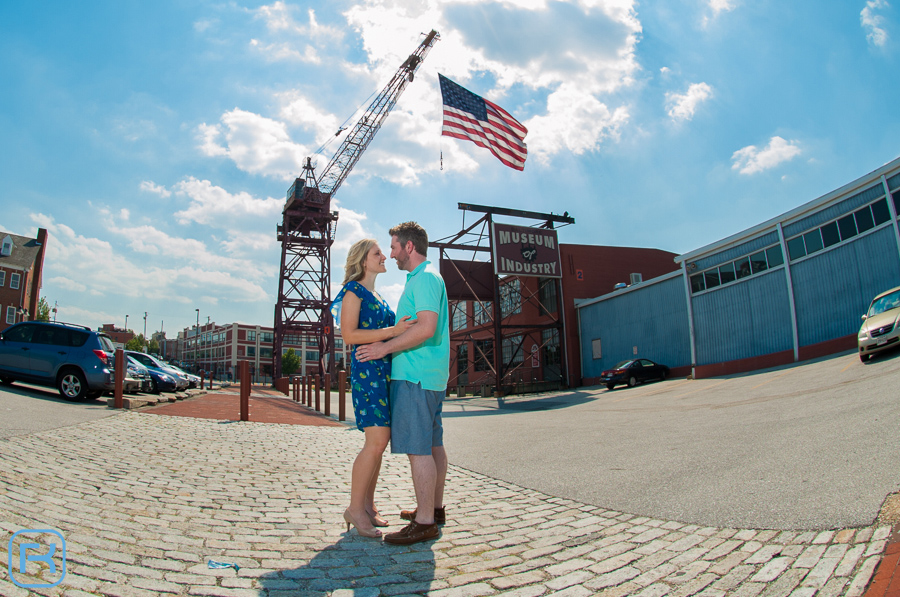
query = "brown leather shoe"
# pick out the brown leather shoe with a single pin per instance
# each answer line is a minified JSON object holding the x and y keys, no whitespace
{"x":413,"y":533}
{"x":440,"y":517}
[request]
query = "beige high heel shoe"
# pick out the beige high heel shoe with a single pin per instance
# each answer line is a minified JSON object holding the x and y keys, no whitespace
{"x":370,"y":533}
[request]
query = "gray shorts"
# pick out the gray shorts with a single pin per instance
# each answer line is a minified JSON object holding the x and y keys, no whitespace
{"x":415,"y":418}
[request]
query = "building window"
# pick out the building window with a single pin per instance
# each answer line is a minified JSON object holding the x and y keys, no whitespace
{"x":267,"y":337}
{"x":459,"y":316}
{"x":251,"y":336}
{"x":2,"y":279}
{"x":840,"y":230}
{"x":251,"y":351}
{"x":462,"y":358}
{"x":547,"y":295}
{"x":14,"y":281}
{"x":739,"y":268}
{"x":338,"y":344}
{"x":484,"y":355}
{"x":482,"y":312}
{"x":312,"y":355}
{"x":512,"y":350}
{"x":551,"y":347}
{"x":10,"y":314}
{"x":510,"y":298}
{"x":265,"y":353}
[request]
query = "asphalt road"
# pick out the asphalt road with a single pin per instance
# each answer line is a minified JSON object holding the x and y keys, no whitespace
{"x":810,"y":446}
{"x":27,"y":409}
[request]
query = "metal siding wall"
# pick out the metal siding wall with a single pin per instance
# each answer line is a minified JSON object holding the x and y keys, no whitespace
{"x":747,"y":319}
{"x":893,"y":182}
{"x":837,"y":210}
{"x":740,"y":250}
{"x":652,"y":317}
{"x":833,"y":289}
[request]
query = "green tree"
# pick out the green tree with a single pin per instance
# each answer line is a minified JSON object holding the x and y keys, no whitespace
{"x":290,"y":362}
{"x":153,"y":347}
{"x":43,"y":310}
{"x":136,"y":343}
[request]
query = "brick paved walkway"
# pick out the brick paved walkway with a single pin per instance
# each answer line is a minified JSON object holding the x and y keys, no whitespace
{"x":266,"y":406}
{"x":144,"y":502}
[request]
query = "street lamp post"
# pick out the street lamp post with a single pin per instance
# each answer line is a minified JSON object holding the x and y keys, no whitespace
{"x":197,"y":343}
{"x":126,"y":323}
{"x":145,"y":328}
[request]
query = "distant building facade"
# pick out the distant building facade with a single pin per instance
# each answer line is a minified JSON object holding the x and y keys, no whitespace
{"x":119,"y":336}
{"x":21,"y":269}
{"x":218,"y":349}
{"x":529,"y":302}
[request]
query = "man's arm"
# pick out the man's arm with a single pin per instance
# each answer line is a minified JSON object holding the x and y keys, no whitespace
{"x":417,"y":334}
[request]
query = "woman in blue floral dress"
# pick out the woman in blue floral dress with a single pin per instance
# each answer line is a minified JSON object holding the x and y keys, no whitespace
{"x":364,"y":317}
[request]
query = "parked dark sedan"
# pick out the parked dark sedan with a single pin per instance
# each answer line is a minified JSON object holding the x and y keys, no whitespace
{"x":633,"y":371}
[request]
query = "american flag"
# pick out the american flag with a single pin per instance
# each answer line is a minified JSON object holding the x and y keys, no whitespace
{"x":470,"y":116}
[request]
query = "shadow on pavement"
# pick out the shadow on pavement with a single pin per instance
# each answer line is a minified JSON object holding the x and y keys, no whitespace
{"x":359,"y":565}
{"x":476,"y":407}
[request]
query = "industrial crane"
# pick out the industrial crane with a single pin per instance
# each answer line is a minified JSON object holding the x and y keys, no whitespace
{"x":307,"y":230}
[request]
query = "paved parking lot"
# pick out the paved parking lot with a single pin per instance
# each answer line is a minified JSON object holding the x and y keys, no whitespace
{"x":809,"y":446}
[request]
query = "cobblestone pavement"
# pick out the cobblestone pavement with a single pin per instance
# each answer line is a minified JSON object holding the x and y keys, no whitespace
{"x":144,"y":502}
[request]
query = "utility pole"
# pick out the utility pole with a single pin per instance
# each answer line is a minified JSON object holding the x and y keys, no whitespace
{"x":145,"y":329}
{"x":197,"y":341}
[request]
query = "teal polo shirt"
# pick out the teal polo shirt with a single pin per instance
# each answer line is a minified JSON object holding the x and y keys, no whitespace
{"x":429,"y":362}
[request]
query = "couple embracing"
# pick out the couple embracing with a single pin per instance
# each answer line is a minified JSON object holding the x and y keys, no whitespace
{"x":398,"y":378}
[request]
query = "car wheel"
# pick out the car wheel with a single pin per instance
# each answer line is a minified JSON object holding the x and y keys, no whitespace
{"x":154,"y":387}
{"x":632,"y":381}
{"x":7,"y":381}
{"x":664,"y":376}
{"x":72,"y":385}
{"x":610,"y":386}
{"x":865,"y":357}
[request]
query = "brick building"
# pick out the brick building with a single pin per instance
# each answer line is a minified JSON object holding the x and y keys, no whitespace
{"x":21,"y":266}
{"x":119,"y":336}
{"x":219,"y":348}
{"x":527,"y":301}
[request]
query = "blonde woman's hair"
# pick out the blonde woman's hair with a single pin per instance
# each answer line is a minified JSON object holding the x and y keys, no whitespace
{"x":355,"y":269}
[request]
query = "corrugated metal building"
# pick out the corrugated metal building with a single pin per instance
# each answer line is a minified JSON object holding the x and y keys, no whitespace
{"x":789,"y":289}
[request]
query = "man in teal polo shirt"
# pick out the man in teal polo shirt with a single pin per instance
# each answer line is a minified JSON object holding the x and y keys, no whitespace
{"x":419,"y":373}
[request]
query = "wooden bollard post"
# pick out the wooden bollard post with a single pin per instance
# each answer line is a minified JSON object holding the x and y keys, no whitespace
{"x":326,"y":387}
{"x":245,"y":390}
{"x":342,"y":395}
{"x":119,"y":377}
{"x":295,"y":388}
{"x":303,"y":389}
{"x":317,"y":383}
{"x":202,"y":379}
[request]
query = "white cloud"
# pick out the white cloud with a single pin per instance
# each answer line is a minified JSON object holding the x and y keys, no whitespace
{"x":752,"y":160}
{"x":215,"y":206}
{"x":284,"y":51}
{"x":873,"y":23}
{"x":718,"y":6}
{"x":256,"y":144}
{"x":682,"y":106}
{"x":152,"y":187}
{"x":575,"y":121}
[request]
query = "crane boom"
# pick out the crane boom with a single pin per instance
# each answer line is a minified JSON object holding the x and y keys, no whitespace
{"x":307,"y":231}
{"x":355,"y":143}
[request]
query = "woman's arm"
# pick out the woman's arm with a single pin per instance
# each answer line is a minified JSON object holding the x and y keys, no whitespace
{"x":351,"y":332}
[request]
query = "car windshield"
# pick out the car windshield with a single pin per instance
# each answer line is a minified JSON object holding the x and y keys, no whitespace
{"x":885,"y":303}
{"x":623,"y":364}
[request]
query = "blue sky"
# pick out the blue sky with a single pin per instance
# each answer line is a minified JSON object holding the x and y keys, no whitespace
{"x":155,"y":141}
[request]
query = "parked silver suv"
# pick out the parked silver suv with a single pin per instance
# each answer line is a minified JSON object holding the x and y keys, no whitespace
{"x":72,"y":358}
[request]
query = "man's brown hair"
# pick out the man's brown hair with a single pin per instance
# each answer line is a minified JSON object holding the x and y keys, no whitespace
{"x":411,"y":231}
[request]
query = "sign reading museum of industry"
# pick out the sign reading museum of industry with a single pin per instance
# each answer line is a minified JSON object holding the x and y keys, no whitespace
{"x":524,"y":251}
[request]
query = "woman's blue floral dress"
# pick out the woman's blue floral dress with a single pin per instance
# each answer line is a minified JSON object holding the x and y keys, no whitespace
{"x":368,"y":381}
